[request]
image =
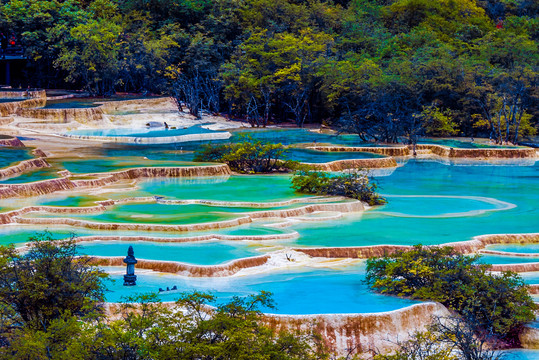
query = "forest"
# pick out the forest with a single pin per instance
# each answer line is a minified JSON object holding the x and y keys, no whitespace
{"x":382,"y":69}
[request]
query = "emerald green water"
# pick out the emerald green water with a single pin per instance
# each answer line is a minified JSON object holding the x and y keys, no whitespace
{"x":19,"y":234}
{"x":86,"y":166}
{"x":27,"y":177}
{"x":151,"y":213}
{"x":250,"y":188}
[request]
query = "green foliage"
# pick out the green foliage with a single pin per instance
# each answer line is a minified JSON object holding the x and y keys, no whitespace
{"x":369,"y":67}
{"x":247,"y":156}
{"x":355,"y":185}
{"x":46,"y":283}
{"x":188,"y":329}
{"x":496,"y":304}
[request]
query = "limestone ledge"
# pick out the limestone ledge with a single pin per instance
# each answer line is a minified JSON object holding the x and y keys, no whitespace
{"x":184,"y":269}
{"x":111,"y":106}
{"x":81,"y":115}
{"x":440,"y":150}
{"x":340,"y":165}
{"x":243,"y":218}
{"x":362,"y":333}
{"x":11,"y":141}
{"x":388,"y":151}
{"x":221,"y":135}
{"x":345,"y":334}
{"x":23,"y":166}
{"x":529,"y":338}
{"x":474,"y":245}
{"x":198,"y":238}
{"x":11,"y":108}
{"x":53,"y":185}
{"x":312,"y":199}
{"x":32,"y":94}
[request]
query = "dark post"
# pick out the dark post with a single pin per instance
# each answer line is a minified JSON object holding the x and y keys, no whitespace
{"x":130,"y":278}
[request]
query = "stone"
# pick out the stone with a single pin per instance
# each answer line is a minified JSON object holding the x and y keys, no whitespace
{"x":130,"y":279}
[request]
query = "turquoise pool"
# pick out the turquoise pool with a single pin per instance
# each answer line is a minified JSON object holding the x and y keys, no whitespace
{"x":96,"y":165}
{"x":200,"y":253}
{"x":142,"y":132}
{"x":305,"y":291}
{"x":516,"y":248}
{"x":10,"y":156}
{"x":516,"y":185}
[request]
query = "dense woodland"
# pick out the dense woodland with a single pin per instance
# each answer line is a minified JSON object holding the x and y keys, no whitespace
{"x":384,"y":69}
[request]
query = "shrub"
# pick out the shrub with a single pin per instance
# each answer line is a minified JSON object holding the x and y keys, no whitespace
{"x":248,"y":156}
{"x":46,"y":282}
{"x":355,"y":185}
{"x":494,"y":305}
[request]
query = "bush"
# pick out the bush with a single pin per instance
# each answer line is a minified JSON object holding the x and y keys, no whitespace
{"x":494,"y":305}
{"x":46,"y":282}
{"x":248,"y":156}
{"x":355,"y":185}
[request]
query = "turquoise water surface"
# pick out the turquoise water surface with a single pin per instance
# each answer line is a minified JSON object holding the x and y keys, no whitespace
{"x":516,"y":248}
{"x":11,"y":156}
{"x":305,"y":291}
{"x":200,"y":253}
{"x":142,"y":132}
{"x":498,"y":185}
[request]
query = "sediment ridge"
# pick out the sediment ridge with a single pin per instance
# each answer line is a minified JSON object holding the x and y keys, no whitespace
{"x":362,"y":333}
{"x":23,"y":166}
{"x":478,"y":153}
{"x":31,"y":94}
{"x":12,"y":108}
{"x":340,"y":165}
{"x":218,"y":135}
{"x":268,"y":237}
{"x":465,"y":247}
{"x":179,"y":268}
{"x":81,"y":115}
{"x":388,"y":151}
{"x":440,"y":150}
{"x":11,"y":141}
{"x":53,"y":185}
{"x":243,"y":218}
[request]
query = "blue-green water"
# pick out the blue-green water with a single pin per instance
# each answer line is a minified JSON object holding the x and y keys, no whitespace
{"x":521,"y":354}
{"x":252,"y":188}
{"x":86,"y":166}
{"x":27,"y":177}
{"x":305,"y":291}
{"x":142,"y":132}
{"x":516,"y":248}
{"x":152,"y":213}
{"x":516,"y":185}
{"x":10,"y":156}
{"x":499,"y":259}
{"x":313,"y":156}
{"x":69,"y":104}
{"x":462,"y":144}
{"x":200,"y":253}
{"x":8,"y":100}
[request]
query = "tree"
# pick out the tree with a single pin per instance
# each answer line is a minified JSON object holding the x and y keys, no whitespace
{"x":354,"y":185}
{"x":247,"y":156}
{"x":448,"y":338}
{"x":48,"y":281}
{"x":495,"y":306}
